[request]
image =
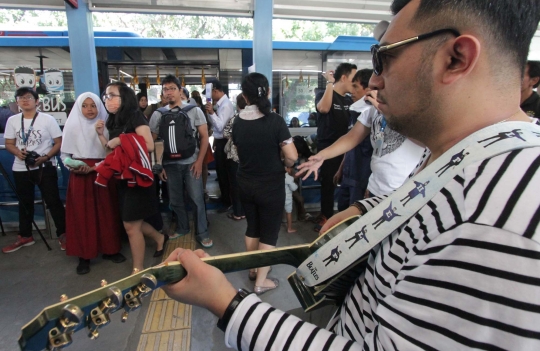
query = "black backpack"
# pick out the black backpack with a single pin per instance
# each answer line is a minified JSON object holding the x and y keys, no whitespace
{"x":175,"y":129}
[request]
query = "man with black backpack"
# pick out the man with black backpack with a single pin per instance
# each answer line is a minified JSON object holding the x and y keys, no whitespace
{"x":183,"y":130}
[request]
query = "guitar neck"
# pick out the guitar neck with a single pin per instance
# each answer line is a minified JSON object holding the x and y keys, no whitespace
{"x":290,"y":255}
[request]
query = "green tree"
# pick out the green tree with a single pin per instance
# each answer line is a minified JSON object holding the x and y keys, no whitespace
{"x":198,"y":27}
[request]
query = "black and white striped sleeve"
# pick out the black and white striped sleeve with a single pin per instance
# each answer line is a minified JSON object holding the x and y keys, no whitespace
{"x":256,"y":325}
{"x":372,"y":202}
{"x":473,"y":287}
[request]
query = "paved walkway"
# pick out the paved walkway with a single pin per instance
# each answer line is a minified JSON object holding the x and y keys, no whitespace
{"x":33,"y":278}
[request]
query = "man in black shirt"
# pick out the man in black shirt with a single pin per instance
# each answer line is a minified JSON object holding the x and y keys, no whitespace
{"x":530,"y":100}
{"x":333,"y":122}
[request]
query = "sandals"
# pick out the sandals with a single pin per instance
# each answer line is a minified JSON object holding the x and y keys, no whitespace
{"x":207,"y":243}
{"x":234,"y":218}
{"x":259,"y":290}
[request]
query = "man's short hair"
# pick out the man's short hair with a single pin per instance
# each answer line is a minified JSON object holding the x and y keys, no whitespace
{"x":171,"y":79}
{"x":25,"y":90}
{"x":507,"y":25}
{"x":534,"y":71}
{"x":344,"y":69}
{"x":362,"y":76}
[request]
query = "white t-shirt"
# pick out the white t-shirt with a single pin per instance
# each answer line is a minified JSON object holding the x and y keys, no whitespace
{"x":40,"y":139}
{"x":399,"y":156}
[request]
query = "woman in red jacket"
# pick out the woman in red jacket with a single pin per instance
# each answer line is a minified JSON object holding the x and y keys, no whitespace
{"x":138,"y":202}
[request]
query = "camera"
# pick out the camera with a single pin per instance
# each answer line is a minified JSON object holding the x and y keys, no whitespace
{"x":31,"y":158}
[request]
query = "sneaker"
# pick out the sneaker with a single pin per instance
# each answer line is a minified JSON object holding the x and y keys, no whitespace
{"x":62,"y":242}
{"x":21,"y":241}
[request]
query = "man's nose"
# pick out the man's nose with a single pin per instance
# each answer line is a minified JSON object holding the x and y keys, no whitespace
{"x":376,"y":82}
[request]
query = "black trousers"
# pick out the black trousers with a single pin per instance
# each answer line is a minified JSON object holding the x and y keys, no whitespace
{"x":263,"y":201}
{"x":47,"y":182}
{"x":326,"y":177}
{"x":221,"y":170}
{"x":232,"y":168}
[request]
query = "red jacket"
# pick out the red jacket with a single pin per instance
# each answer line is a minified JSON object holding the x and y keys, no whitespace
{"x":128,"y":161}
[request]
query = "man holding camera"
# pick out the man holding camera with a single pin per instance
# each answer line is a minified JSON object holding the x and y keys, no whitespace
{"x":34,"y":138}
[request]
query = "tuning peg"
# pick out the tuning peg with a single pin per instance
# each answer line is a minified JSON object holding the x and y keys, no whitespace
{"x":93,"y":334}
{"x":60,"y":336}
{"x":124,"y":316}
{"x":103,"y":282}
{"x":148,"y":283}
{"x":63,"y":297}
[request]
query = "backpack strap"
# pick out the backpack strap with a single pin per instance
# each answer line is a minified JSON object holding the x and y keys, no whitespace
{"x":162,"y":110}
{"x":188,"y":108}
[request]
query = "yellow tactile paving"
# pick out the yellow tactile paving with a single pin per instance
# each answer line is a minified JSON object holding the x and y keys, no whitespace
{"x":167,"y":315}
{"x":167,"y":325}
{"x":165,"y":341}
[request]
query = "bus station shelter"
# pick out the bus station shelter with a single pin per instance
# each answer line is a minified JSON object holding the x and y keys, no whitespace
{"x":163,"y":324}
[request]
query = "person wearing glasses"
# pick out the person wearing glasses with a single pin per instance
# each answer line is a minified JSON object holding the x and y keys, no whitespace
{"x":184,"y":174}
{"x":34,"y":138}
{"x":462,"y":272}
{"x":137,"y":203}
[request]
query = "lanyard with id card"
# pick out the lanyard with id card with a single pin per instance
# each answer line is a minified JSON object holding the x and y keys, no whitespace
{"x":379,"y":138}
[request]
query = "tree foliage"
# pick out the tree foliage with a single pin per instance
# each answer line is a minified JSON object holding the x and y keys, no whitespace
{"x":198,"y":27}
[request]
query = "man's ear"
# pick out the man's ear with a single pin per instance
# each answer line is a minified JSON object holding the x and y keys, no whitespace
{"x":461,"y":56}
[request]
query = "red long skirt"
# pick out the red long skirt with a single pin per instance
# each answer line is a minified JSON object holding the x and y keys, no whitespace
{"x":92,"y":216}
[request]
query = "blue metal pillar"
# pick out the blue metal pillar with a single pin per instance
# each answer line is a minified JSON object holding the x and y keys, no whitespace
{"x":262,"y":37}
{"x":82,"y":49}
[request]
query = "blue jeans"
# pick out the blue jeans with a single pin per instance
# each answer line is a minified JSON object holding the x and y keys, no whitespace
{"x":179,"y":175}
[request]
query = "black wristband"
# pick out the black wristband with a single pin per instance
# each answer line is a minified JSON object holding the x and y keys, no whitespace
{"x":360,"y":207}
{"x":224,"y":321}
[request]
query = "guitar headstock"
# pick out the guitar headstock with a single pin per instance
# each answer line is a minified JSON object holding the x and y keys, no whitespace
{"x":52,"y":329}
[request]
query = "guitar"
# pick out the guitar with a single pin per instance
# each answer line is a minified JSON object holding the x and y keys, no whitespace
{"x":52,"y":329}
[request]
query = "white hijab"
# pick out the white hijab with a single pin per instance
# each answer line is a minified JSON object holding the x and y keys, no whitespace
{"x":79,"y":137}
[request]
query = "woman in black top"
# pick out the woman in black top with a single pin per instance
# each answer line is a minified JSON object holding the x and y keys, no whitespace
{"x":260,"y":137}
{"x":136,"y":203}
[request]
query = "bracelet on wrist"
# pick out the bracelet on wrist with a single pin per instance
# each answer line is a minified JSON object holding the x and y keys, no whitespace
{"x":239,"y":297}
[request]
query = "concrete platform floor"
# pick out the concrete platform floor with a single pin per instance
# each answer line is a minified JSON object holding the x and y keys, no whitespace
{"x":33,"y":278}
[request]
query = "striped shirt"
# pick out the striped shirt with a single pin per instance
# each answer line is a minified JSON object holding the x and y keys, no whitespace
{"x":463,"y":273}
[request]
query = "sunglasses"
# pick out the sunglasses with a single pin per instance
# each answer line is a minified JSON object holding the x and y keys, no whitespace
{"x":376,"y":50}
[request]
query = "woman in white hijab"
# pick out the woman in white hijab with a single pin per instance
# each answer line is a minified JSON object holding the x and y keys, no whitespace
{"x":92,"y":217}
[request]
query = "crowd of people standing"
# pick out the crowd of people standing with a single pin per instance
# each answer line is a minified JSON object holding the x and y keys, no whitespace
{"x":441,"y":280}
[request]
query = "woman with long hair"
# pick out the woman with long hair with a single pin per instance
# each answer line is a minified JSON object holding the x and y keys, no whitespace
{"x":136,"y":202}
{"x":92,"y":218}
{"x":261,"y":137}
